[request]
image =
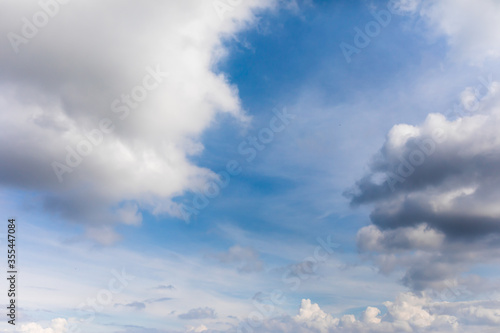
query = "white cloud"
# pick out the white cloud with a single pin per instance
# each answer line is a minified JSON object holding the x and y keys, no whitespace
{"x":311,"y":315}
{"x":371,"y":316}
{"x":58,"y":325}
{"x":199,"y":313}
{"x":201,"y":328}
{"x":407,"y":313}
{"x":65,"y":80}
{"x":469,"y":26}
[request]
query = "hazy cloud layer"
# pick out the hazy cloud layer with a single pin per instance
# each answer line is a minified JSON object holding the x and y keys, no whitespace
{"x":245,"y":259}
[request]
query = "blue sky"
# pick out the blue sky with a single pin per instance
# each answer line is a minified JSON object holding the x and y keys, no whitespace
{"x":363,"y":204}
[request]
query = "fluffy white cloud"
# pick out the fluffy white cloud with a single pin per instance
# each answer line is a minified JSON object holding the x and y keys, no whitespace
{"x":201,"y":328}
{"x":311,"y":315}
{"x":148,"y":67}
{"x":407,"y":313}
{"x":371,"y":316}
{"x":58,"y":325}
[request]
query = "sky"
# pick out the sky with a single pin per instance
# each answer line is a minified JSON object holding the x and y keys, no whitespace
{"x":239,"y":166}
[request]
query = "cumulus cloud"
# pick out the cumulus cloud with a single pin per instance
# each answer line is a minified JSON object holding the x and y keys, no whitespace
{"x":117,"y":94}
{"x":435,"y":193}
{"x":434,"y":187}
{"x":201,"y":328}
{"x":407,"y":313}
{"x":58,"y":325}
{"x":311,"y":315}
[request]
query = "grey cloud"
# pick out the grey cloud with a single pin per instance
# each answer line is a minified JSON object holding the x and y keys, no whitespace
{"x":137,"y":305}
{"x":446,"y":170}
{"x":165,"y":287}
{"x":199,"y":313}
{"x":435,"y":190}
{"x":158,"y":300}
